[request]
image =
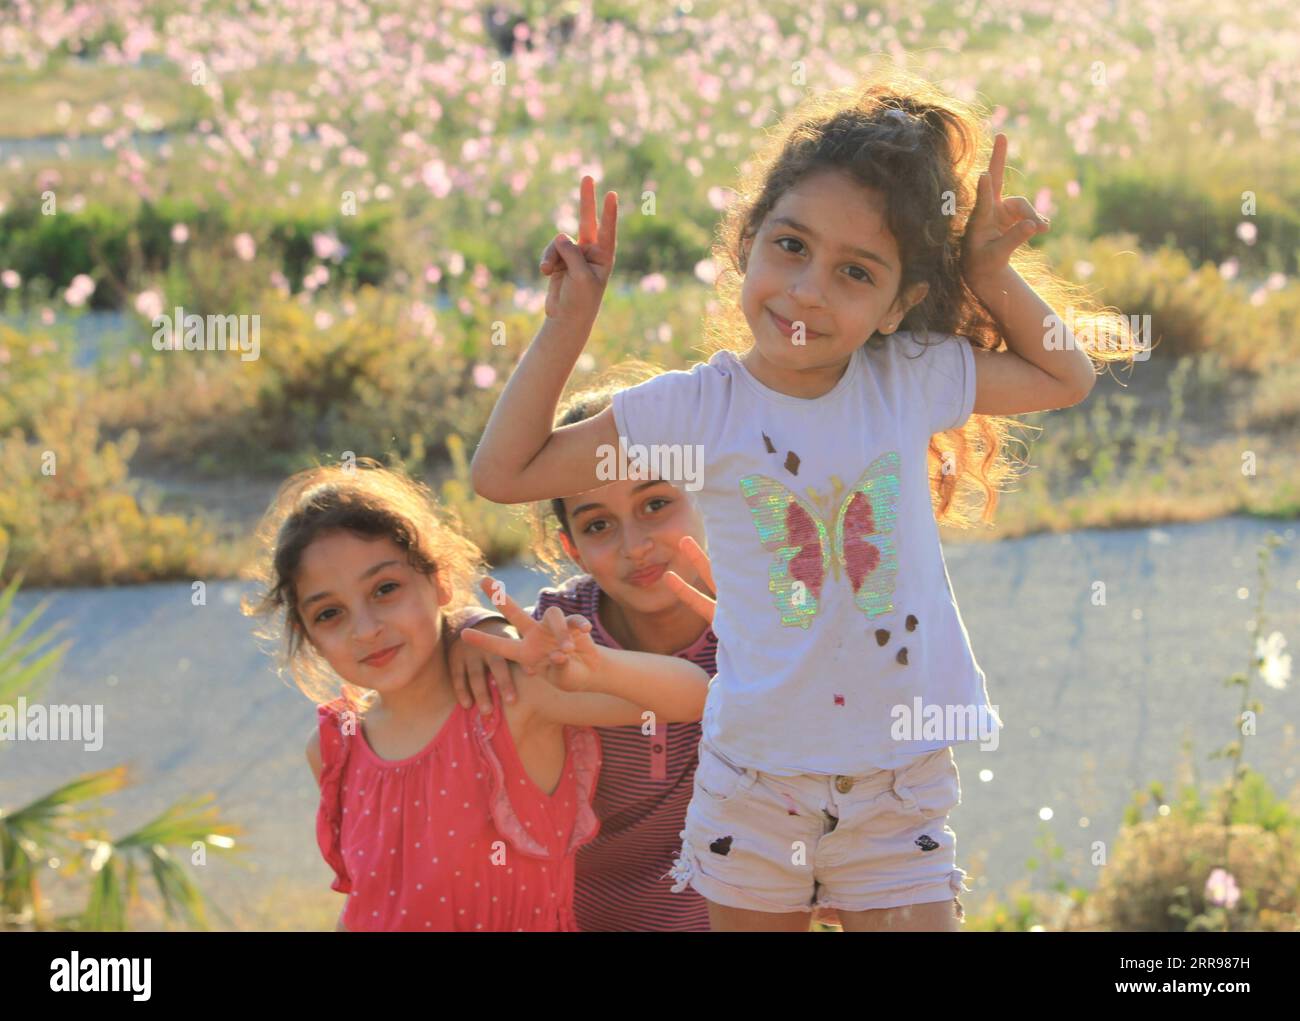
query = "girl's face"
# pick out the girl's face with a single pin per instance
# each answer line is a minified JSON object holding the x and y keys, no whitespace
{"x":626,"y":535}
{"x":358,"y":597}
{"x":823,"y":257}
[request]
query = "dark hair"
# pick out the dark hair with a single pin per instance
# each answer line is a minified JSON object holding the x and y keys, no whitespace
{"x":922,"y":151}
{"x":578,"y":407}
{"x":367,"y":500}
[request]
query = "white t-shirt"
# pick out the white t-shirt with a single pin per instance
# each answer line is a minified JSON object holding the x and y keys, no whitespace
{"x":825,"y":555}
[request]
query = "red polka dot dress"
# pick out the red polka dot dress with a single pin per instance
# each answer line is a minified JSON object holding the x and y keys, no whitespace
{"x":457,"y":836}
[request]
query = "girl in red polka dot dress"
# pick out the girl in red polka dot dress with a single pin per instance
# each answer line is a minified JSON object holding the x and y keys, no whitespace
{"x":433,"y":817}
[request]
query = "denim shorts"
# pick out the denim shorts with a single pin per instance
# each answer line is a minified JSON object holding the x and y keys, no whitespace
{"x":798,"y":843}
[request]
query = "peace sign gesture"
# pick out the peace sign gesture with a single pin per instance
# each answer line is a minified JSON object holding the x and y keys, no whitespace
{"x":560,"y":646}
{"x":997,"y":226}
{"x":579,"y":272}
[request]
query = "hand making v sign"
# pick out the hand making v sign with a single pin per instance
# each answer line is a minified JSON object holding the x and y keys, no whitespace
{"x":579,"y":272}
{"x":997,"y":226}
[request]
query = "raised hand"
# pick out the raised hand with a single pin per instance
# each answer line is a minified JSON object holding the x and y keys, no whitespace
{"x":997,"y":225}
{"x":701,"y":602}
{"x":579,"y":271}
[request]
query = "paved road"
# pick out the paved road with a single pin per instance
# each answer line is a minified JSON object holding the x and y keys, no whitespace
{"x":1097,"y":700}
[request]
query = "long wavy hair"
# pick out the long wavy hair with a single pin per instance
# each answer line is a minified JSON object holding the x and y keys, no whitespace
{"x":368,"y":500}
{"x":923,"y":151}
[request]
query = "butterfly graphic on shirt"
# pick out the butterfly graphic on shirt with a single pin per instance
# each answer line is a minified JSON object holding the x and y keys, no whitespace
{"x":846,"y":531}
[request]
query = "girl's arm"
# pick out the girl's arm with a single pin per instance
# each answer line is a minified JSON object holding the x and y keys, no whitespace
{"x":1029,"y":375}
{"x":586,"y":683}
{"x":601,"y":687}
{"x":520,"y":457}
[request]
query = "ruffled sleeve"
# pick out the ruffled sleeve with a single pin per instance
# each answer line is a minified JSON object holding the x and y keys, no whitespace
{"x":334,"y":748}
{"x":584,"y":747}
{"x":503,"y":812}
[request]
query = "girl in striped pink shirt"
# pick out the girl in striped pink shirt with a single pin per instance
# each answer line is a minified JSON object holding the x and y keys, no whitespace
{"x":624,"y":537}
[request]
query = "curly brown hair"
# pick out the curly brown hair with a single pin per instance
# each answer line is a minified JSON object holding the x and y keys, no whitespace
{"x":369,"y":500}
{"x":922,"y":150}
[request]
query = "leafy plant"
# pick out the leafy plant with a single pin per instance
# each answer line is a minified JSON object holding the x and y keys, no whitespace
{"x":59,"y":831}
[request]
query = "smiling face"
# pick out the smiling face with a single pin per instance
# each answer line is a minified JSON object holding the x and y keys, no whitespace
{"x":358,"y":596}
{"x":626,"y":534}
{"x":824,"y":257}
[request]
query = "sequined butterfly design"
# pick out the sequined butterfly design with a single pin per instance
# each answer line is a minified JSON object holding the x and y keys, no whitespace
{"x":809,"y":545}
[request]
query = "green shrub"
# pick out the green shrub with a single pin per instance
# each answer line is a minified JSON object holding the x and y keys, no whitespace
{"x":1192,"y":310}
{"x":126,"y":249}
{"x":1197,"y":218}
{"x":85,"y":524}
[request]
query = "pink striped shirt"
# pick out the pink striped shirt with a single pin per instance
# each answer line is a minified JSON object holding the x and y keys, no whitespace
{"x":645,"y":784}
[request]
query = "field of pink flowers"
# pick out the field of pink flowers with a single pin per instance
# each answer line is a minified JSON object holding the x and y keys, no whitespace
{"x":377,"y":180}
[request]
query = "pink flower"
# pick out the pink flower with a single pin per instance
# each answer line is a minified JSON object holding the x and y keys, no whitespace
{"x":10,"y":278}
{"x":1221,"y":889}
{"x":149,"y":304}
{"x":326,"y":246}
{"x":1247,"y":231}
{"x":81,"y":288}
{"x":245,"y":246}
{"x":484,"y":376}
{"x":654,"y":283}
{"x":434,"y":176}
{"x":180,"y":233}
{"x":1228,"y":269}
{"x":705,"y":271}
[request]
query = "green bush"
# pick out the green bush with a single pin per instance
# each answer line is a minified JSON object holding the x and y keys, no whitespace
{"x":126,"y":249}
{"x":1192,"y":310}
{"x":68,"y":508}
{"x":1198,"y":219}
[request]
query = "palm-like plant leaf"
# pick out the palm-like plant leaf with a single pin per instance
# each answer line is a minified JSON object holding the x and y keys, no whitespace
{"x":24,"y":680}
{"x":30,"y":836}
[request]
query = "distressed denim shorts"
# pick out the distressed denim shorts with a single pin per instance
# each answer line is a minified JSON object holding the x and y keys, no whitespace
{"x":797,"y":843}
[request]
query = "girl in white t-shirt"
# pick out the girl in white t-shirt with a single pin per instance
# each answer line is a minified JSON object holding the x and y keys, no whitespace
{"x":850,"y":404}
